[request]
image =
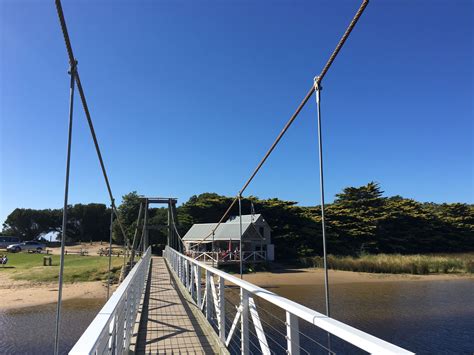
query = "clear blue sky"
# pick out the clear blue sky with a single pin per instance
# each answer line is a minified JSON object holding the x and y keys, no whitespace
{"x":186,"y":97}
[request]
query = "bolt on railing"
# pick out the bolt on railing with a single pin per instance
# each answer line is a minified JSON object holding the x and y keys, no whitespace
{"x":253,"y":330}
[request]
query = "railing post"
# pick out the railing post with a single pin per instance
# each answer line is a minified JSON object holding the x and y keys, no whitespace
{"x":183,"y":270}
{"x":175,"y":262}
{"x":208,"y":296}
{"x":221,"y":310}
{"x":198,"y":285}
{"x":113,"y":335}
{"x":186,"y":278}
{"x":244,"y":322}
{"x":190,"y":272}
{"x":193,"y":292}
{"x":292,"y":334}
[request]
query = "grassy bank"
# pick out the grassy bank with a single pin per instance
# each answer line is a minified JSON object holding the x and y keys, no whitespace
{"x":24,"y":266}
{"x":397,"y":264}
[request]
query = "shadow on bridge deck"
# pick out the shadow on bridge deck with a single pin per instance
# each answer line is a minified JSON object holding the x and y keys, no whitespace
{"x":167,"y":324}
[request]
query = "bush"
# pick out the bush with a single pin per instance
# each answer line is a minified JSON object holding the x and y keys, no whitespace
{"x":396,"y":263}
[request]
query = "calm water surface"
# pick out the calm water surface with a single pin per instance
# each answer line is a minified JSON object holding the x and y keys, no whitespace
{"x":426,"y":317}
{"x":429,"y":317}
{"x":31,"y":330}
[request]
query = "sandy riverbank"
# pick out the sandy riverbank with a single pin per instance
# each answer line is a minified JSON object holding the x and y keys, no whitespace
{"x":316,"y":277}
{"x":91,"y":248}
{"x":20,"y":294}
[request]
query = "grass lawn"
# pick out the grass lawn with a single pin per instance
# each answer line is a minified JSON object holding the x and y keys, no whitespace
{"x":26,"y":266}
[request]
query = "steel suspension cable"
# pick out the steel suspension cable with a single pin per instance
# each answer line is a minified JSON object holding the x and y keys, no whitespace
{"x":71,"y":57}
{"x":75,"y":78}
{"x":241,"y":254}
{"x":132,"y":252}
{"x":179,"y":241}
{"x":173,"y":222}
{"x":72,"y":72}
{"x":145,"y":227}
{"x":321,"y":189}
{"x":317,"y":88}
{"x":320,"y":77}
{"x":343,"y":39}
{"x":110,"y":251}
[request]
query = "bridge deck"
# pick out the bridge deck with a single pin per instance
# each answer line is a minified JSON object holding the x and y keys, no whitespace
{"x":168,"y":325}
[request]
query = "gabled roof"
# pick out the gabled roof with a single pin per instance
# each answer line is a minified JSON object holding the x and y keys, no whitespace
{"x":228,"y":230}
{"x":246,"y":218}
{"x":225,"y":231}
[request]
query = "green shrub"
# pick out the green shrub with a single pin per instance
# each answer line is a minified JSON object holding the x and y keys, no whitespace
{"x":396,"y":263}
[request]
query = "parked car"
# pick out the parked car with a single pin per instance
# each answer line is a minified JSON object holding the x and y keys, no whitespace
{"x":6,"y":241}
{"x":31,"y":245}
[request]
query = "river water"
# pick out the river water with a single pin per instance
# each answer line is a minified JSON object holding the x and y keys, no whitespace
{"x":427,"y":317}
{"x":31,"y":330}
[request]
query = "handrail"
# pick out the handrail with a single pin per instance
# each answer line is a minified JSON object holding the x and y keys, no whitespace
{"x":111,"y":329}
{"x":230,"y":256}
{"x":184,"y":267}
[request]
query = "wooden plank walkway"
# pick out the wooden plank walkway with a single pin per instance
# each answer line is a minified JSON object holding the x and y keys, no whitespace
{"x":168,"y":325}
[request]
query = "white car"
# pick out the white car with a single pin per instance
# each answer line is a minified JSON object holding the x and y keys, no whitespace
{"x":32,"y":245}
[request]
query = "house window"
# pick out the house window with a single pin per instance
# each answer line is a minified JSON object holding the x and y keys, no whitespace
{"x":261,"y":231}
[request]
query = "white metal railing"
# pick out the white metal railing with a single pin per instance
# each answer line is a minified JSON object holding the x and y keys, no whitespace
{"x":211,"y":300}
{"x":254,"y":255}
{"x":227,"y":256}
{"x":111,"y":330}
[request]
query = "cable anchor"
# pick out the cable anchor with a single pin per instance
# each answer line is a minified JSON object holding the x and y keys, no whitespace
{"x":317,"y":88}
{"x":72,"y":67}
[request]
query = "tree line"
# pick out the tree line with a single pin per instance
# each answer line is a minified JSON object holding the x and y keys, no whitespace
{"x":360,"y":220}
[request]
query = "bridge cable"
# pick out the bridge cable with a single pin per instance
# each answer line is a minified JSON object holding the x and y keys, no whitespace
{"x":320,"y":77}
{"x":110,"y":250}
{"x":132,"y":251}
{"x":173,"y":221}
{"x":318,"y":89}
{"x":86,"y":108}
{"x":72,"y":72}
{"x":241,"y":254}
{"x":172,"y":227}
{"x":76,"y":78}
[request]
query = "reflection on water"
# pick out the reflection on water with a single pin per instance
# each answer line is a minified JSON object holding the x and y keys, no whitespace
{"x":425,"y":317}
{"x":31,"y":330}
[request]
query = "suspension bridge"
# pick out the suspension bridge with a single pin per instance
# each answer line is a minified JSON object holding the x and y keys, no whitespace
{"x":175,"y":304}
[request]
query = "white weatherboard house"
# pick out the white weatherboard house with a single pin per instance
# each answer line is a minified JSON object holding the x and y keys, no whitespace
{"x":256,"y":240}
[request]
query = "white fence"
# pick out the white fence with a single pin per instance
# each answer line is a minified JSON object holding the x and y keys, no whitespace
{"x":111,"y":330}
{"x":246,"y":323}
{"x":227,"y":257}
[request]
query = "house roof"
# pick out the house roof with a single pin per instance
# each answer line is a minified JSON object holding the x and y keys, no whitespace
{"x":226,"y":231}
{"x":246,"y":218}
